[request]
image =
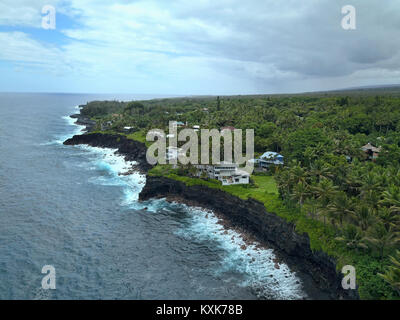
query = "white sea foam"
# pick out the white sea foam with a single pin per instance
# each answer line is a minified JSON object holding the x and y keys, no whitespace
{"x":256,"y":264}
{"x":115,"y":168}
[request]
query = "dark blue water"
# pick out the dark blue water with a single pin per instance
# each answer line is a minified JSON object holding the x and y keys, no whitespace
{"x":68,"y":207}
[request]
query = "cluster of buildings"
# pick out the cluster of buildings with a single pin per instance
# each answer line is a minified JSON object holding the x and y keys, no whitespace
{"x":108,"y":125}
{"x":226,"y":172}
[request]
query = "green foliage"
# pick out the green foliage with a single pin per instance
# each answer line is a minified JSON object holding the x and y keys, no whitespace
{"x":392,"y":274}
{"x":349,"y":206}
{"x":101,"y":108}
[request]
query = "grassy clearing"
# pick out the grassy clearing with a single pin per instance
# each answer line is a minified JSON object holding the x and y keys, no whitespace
{"x":139,"y":136}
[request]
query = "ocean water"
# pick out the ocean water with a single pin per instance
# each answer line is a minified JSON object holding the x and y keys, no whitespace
{"x":69,"y":207}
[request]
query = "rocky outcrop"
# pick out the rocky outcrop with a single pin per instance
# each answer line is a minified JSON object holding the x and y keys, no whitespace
{"x":132,"y":150}
{"x":84,"y":121}
{"x":251,"y":216}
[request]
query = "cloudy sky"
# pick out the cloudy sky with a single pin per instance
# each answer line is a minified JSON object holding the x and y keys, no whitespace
{"x":197,"y":47}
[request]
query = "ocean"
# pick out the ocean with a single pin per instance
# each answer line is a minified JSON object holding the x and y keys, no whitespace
{"x":70,"y":208}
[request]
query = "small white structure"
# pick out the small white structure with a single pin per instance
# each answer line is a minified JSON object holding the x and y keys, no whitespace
{"x":128,"y":129}
{"x":227,"y":173}
{"x":196,"y":128}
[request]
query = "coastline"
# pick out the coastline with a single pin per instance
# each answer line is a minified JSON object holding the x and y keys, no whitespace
{"x":83,"y":121}
{"x":248,"y":217}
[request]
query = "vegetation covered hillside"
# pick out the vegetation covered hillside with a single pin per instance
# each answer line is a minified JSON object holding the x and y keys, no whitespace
{"x":348,"y":203}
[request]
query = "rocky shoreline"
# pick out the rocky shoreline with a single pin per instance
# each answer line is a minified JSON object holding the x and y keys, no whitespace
{"x":84,"y":121}
{"x":249,"y":217}
{"x":130,"y":149}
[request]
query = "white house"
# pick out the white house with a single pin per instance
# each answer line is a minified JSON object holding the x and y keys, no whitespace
{"x":227,"y":173}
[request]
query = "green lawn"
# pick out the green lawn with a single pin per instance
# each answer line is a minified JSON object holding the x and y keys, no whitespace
{"x":138,"y":136}
{"x":264,"y":188}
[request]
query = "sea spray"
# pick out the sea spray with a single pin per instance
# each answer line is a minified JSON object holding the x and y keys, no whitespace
{"x":269,"y":279}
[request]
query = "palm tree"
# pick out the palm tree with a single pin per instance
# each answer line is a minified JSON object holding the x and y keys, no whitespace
{"x":319,"y":171}
{"x":311,"y":208}
{"x":340,"y":207}
{"x":381,"y":238}
{"x":391,"y":197}
{"x":392,"y":274}
{"x":370,"y":183}
{"x":353,"y":182}
{"x":324,"y":191}
{"x":283,"y":182}
{"x":297,"y":174}
{"x":388,"y":217}
{"x":363,"y":217}
{"x":300,"y":192}
{"x":352,"y":237}
{"x":371,"y":198}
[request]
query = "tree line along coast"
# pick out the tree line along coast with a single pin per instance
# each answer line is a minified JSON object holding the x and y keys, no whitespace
{"x":340,"y":178}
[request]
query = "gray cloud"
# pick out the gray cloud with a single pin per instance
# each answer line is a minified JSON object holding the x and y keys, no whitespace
{"x":228,"y":46}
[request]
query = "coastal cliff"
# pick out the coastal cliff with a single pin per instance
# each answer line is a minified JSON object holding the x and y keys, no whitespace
{"x":132,"y":150}
{"x":249,"y":216}
{"x":268,"y":228}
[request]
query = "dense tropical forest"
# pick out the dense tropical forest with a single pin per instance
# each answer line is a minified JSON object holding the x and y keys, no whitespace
{"x":347,"y":202}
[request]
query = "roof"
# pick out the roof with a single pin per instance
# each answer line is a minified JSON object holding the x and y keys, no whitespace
{"x":242,"y":172}
{"x":270,"y":155}
{"x":369,"y":146}
{"x":228,"y":128}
